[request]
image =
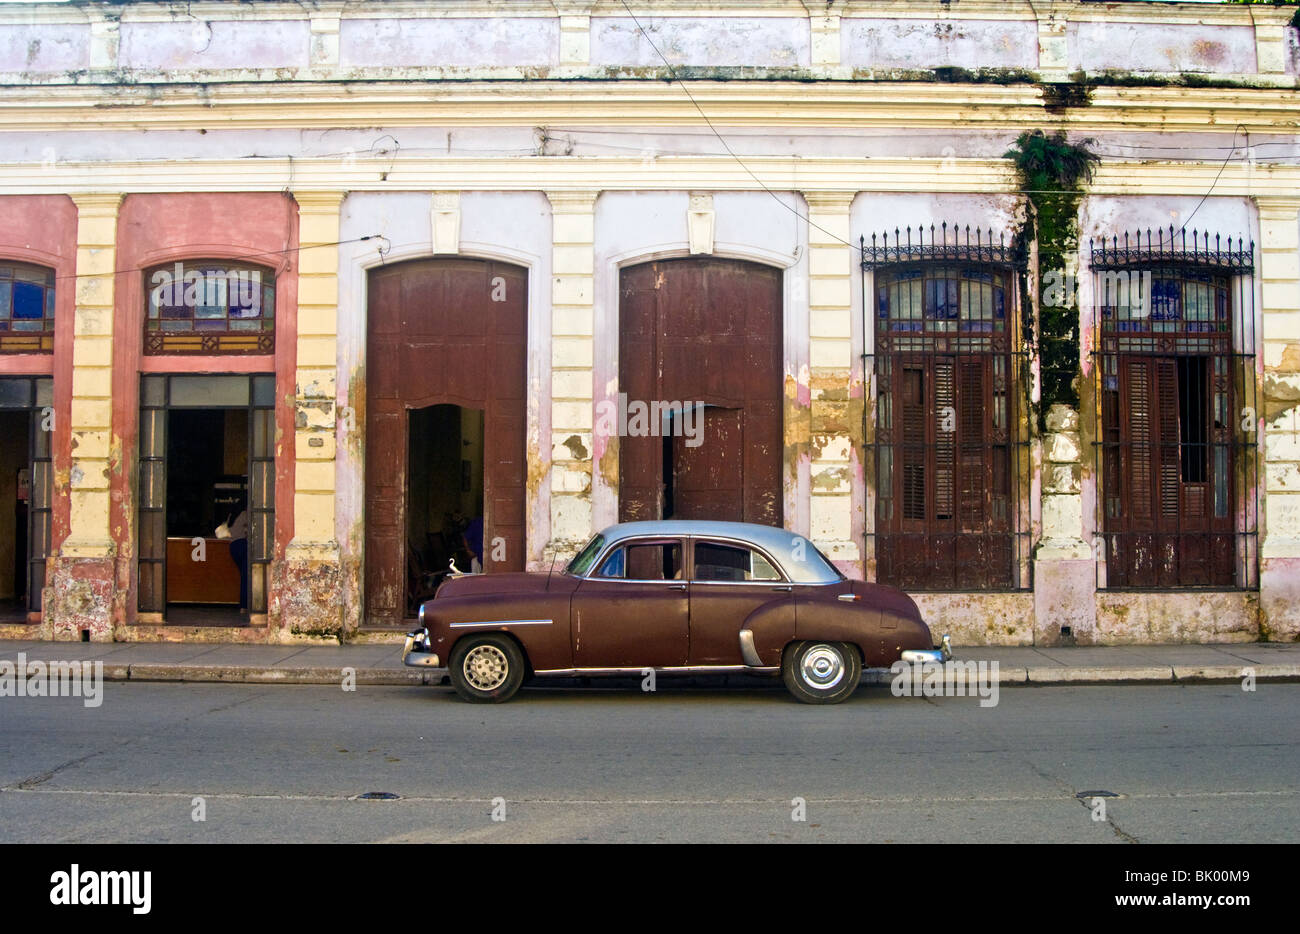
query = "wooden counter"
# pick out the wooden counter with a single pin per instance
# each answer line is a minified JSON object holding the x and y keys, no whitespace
{"x":215,"y":580}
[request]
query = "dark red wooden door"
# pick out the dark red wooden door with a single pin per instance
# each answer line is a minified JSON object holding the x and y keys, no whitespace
{"x":703,"y":331}
{"x":439,"y":331}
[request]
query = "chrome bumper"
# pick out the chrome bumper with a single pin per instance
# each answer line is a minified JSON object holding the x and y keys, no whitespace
{"x":939,"y":655}
{"x":416,"y":654}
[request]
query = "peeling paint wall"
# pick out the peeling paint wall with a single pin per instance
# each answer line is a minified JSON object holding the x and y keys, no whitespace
{"x":1145,"y":47}
{"x":52,"y":47}
{"x":272,"y":41}
{"x":196,"y":43}
{"x":685,"y":40}
{"x":559,"y":146}
{"x":466,"y":42}
{"x":939,"y":43}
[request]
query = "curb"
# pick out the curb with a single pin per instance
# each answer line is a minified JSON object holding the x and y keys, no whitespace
{"x":246,"y":674}
{"x":1039,"y":676}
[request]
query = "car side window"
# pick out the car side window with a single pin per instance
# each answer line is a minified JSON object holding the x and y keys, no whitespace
{"x":717,"y":562}
{"x":613,"y":566}
{"x":651,"y":561}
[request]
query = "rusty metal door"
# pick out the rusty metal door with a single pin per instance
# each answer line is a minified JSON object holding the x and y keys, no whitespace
{"x":443,"y":331}
{"x":707,"y":331}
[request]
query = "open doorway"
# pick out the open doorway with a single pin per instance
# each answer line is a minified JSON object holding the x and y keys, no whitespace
{"x":444,"y":496}
{"x":207,"y":571}
{"x":206,"y":498}
{"x":15,"y":487}
{"x":26,"y":431}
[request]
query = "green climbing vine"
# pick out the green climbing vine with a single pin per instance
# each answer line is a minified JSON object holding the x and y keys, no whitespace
{"x":1053,"y":172}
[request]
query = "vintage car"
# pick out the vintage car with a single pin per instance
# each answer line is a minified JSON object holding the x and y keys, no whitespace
{"x":674,"y":596}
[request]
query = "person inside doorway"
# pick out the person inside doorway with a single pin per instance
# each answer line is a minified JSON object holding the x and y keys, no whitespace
{"x":473,"y":540}
{"x":239,"y":554}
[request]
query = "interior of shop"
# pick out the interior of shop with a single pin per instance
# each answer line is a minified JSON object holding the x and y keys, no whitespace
{"x":15,"y":484}
{"x":207,"y":488}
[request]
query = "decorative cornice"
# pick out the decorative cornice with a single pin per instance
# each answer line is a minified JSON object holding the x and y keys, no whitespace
{"x":609,"y":104}
{"x":568,"y":181}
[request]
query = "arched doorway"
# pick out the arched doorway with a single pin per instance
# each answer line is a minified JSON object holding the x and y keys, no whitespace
{"x":701,"y":339}
{"x":446,"y":364}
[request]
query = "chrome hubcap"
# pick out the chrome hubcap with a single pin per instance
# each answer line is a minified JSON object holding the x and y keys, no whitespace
{"x":822,"y":667}
{"x":485,"y":667}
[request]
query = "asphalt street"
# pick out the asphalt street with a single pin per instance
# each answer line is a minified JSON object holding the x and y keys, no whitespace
{"x":1185,"y":763}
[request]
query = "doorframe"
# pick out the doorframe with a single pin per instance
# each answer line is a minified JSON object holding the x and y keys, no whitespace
{"x":159,"y":617}
{"x":350,"y":497}
{"x":39,"y":398}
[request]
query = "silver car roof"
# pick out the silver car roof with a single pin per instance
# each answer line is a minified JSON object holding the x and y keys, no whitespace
{"x":784,"y":546}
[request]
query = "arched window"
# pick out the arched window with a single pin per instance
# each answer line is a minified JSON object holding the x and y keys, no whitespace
{"x":948,"y":433}
{"x":1175,"y":336}
{"x":209,"y":307}
{"x":26,"y":308}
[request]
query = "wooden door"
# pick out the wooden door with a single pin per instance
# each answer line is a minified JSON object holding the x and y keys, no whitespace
{"x":450,"y":331}
{"x":703,"y":331}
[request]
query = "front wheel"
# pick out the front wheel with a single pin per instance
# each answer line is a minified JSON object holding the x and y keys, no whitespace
{"x":486,"y":669}
{"x":821,"y":672}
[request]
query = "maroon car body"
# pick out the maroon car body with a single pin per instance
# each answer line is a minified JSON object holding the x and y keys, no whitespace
{"x":674,"y":596}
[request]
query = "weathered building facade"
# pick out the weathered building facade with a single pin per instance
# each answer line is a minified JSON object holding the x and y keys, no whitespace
{"x":364,"y":271}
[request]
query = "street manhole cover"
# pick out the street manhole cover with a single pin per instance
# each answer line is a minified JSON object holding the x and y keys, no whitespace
{"x":376,"y":796}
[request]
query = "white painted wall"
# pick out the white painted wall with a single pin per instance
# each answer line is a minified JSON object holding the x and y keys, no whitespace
{"x":700,"y":40}
{"x":1216,"y":49}
{"x":468,"y":42}
{"x":923,"y":43}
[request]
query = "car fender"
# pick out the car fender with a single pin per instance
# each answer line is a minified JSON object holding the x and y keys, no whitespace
{"x":772,"y":626}
{"x":839,"y":621}
{"x":538,"y":622}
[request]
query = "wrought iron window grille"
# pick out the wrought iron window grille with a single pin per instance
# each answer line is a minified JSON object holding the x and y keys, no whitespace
{"x":949,"y":439}
{"x":1175,"y":411}
{"x":955,"y":245}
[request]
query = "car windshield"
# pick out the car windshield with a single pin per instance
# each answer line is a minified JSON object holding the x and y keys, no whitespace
{"x":582,"y":562}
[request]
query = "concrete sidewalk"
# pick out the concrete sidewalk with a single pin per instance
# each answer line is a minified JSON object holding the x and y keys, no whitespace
{"x":382,"y":664}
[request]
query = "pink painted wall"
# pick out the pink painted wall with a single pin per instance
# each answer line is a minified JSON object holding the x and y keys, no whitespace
{"x":42,"y":229}
{"x":159,"y":228}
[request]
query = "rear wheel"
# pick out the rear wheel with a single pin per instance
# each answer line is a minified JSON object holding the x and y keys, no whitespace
{"x":821,"y":672}
{"x":486,"y":669}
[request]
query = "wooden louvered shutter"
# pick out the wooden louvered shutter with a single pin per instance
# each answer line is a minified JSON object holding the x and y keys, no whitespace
{"x":1166,"y":430}
{"x":972,"y":430}
{"x":943,"y":422}
{"x":1137,"y":436}
{"x":912,"y":462}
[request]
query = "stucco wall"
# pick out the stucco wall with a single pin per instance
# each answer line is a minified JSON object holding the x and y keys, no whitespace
{"x":699,"y":40}
{"x":472,"y":42}
{"x":1215,"y":49}
{"x":921,"y":43}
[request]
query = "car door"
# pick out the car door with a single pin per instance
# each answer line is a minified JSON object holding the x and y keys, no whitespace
{"x":729,"y":581}
{"x":633,"y":610}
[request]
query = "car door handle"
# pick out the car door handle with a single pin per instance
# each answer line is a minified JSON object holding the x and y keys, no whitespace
{"x":677,"y":587}
{"x":786,"y":589}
